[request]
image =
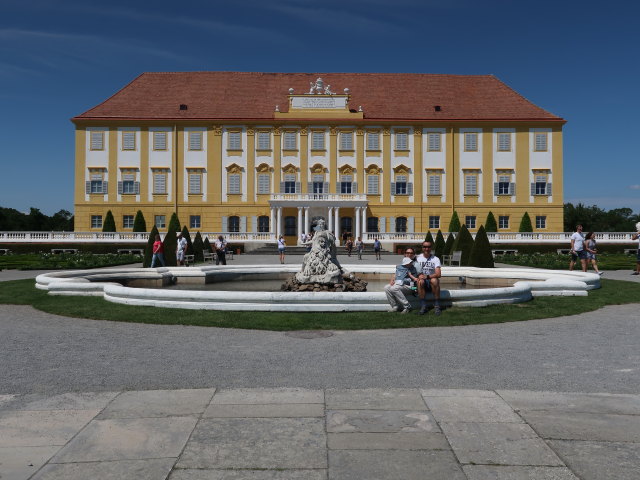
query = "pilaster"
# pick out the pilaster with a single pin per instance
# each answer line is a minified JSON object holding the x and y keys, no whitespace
{"x":251,"y":165}
{"x":522,"y":166}
{"x":333,"y":159}
{"x":304,"y":158}
{"x":386,"y":166}
{"x":214,"y":164}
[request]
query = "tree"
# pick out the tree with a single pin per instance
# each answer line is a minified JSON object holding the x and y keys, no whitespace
{"x":454,"y":224}
{"x":109,"y":224}
{"x":481,"y":255}
{"x":62,"y":221}
{"x":198,"y":248}
{"x":463,"y":243}
{"x":187,"y":237}
{"x":429,"y":237}
{"x":439,"y":245}
{"x":37,"y":221}
{"x":448,"y":246}
{"x":206,"y":247}
{"x":170,"y":242}
{"x":139,"y":223}
{"x":490,"y":225}
{"x":148,"y":251}
{"x":525,"y":224}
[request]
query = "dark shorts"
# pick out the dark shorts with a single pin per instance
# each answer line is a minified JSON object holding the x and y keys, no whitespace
{"x":582,"y":254}
{"x":427,"y":284}
{"x":638,"y":256}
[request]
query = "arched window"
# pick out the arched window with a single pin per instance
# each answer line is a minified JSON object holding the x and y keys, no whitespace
{"x":263,"y":224}
{"x":372,"y":224}
{"x":234,"y":224}
{"x":290,"y":226}
{"x":401,"y":225}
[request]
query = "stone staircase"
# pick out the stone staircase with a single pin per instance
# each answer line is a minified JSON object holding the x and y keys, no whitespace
{"x":272,"y":249}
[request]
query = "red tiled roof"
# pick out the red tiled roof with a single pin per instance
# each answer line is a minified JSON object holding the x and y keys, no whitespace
{"x":383,"y":96}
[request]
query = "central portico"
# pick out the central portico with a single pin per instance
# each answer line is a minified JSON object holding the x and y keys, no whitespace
{"x":331,"y":207}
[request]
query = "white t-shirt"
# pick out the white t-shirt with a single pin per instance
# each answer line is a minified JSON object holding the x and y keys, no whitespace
{"x":182,"y":245}
{"x":427,"y":265}
{"x":578,"y":242}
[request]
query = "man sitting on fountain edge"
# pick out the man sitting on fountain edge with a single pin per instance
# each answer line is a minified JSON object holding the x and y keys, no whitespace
{"x":429,"y":274}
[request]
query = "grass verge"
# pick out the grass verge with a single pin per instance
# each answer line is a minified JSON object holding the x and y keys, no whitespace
{"x":23,"y":292}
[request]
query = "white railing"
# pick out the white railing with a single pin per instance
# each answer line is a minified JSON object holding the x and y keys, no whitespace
{"x":253,"y":237}
{"x":322,"y":197}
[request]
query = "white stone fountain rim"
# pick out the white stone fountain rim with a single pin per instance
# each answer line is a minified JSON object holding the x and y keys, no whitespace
{"x":102,"y":282}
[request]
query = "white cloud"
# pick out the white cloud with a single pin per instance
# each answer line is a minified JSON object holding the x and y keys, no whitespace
{"x":634,"y":187}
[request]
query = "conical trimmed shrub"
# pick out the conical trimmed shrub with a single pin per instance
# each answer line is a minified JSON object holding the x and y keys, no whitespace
{"x":481,"y":255}
{"x":525,"y":223}
{"x":448,"y":246}
{"x":139,"y":223}
{"x":463,"y":243}
{"x":170,"y":241}
{"x":187,"y":236}
{"x":198,"y":248}
{"x":109,"y":224}
{"x":454,"y":224}
{"x":490,"y":225}
{"x":148,"y":251}
{"x":429,"y":237}
{"x":439,"y":245}
{"x":206,"y":246}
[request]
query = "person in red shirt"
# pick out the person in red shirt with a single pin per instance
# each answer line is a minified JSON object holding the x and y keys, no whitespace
{"x":158,"y":252}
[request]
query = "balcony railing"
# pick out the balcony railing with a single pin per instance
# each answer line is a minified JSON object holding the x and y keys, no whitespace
{"x":322,"y":197}
{"x":248,"y":237}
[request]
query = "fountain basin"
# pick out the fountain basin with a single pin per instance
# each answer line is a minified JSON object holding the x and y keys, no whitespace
{"x":127,"y":286}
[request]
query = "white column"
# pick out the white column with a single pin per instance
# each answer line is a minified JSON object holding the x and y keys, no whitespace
{"x":358,"y":216}
{"x":279,"y":227}
{"x":330,"y":220}
{"x":307,"y":221}
{"x":364,"y":221}
{"x":272,"y":221}
{"x":337,"y":224}
{"x":299,"y":225}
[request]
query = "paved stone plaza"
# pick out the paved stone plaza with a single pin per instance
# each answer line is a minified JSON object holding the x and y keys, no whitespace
{"x":86,"y":399}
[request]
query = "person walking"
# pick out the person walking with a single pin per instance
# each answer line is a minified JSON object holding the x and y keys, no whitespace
{"x":282,"y":245}
{"x":181,"y":249}
{"x":636,"y":236}
{"x":400,"y":286}
{"x":158,"y":252}
{"x":590,"y":247}
{"x":359,"y":247}
{"x":377,"y":246}
{"x":349,"y":246}
{"x":221,"y":250}
{"x":577,"y":249}
{"x":429,"y":273}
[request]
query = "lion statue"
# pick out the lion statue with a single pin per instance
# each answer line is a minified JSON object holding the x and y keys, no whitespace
{"x":320,"y":265}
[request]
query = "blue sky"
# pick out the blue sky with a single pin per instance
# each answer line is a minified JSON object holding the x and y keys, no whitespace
{"x":579,"y":60}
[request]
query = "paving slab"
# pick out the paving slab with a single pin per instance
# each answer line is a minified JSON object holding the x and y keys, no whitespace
{"x":499,"y":444}
{"x":19,"y":463}
{"x":623,"y":404}
{"x":375,"y":398}
{"x":251,"y":396}
{"x":394,"y":464}
{"x":158,"y":403}
{"x":41,"y":428}
{"x":6,"y":399}
{"x":153,"y":469}
{"x":65,"y":401}
{"x":471,"y":409}
{"x":291,"y":410}
{"x":387,"y":441}
{"x":248,"y":475}
{"x":599,"y":460}
{"x":451,"y":392}
{"x":256,"y":443}
{"x":380,"y":421}
{"x":491,"y":472}
{"x":128,"y":439}
{"x":585,"y":426}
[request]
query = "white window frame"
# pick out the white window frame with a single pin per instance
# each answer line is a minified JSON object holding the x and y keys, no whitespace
{"x":373,"y":141}
{"x":264,"y":141}
{"x":127,"y":221}
{"x":159,"y":186}
{"x":96,"y":221}
{"x":434,"y":184}
{"x":541,"y":221}
{"x":160,"y":141}
{"x":471,"y":141}
{"x":195,"y":141}
{"x":317,"y":140}
{"x":503,"y":221}
{"x":264,"y":183}
{"x":470,"y":221}
{"x":373,"y":184}
{"x":290,"y":140}
{"x":503,"y":141}
{"x":234,"y":184}
{"x":128,"y":184}
{"x":160,"y":221}
{"x":434,"y":221}
{"x":540,"y":141}
{"x":402,"y":140}
{"x":434,"y":142}
{"x":234,"y":140}
{"x":96,"y":140}
{"x":195,"y":183}
{"x":346,"y":141}
{"x":471,"y":184}
{"x":128,"y":140}
{"x":195,"y":221}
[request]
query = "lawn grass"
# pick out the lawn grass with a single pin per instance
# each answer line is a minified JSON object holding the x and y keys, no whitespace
{"x":23,"y":292}
{"x":50,"y":261}
{"x":554,"y":261}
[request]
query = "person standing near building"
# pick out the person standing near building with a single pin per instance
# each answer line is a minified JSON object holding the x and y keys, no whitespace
{"x":282,"y":245}
{"x":158,"y":252}
{"x":221,"y":250}
{"x":349,"y":246}
{"x":377,"y":246}
{"x":429,"y":273}
{"x":359,"y":247}
{"x":577,"y":249}
{"x":181,"y":249}
{"x":590,"y":247}
{"x":636,"y":236}
{"x":400,"y":286}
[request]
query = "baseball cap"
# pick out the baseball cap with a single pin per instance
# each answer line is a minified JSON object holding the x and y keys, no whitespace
{"x":406,"y":261}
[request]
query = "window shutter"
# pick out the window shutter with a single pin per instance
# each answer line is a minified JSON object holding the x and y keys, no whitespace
{"x":410,"y":224}
{"x":298,"y":187}
{"x":119,"y":188}
{"x":393,"y":188}
{"x":310,"y":187}
{"x":339,"y":187}
{"x":225,"y":224}
{"x":512,"y":188}
{"x":354,"y":187}
{"x":87,"y":187}
{"x":549,"y":189}
{"x":392,"y":224}
{"x":281,"y":187}
{"x":254,"y":224}
{"x":325,"y":187}
{"x":533,"y":189}
{"x":382,"y":223}
{"x":136,"y":187}
{"x":496,"y":189}
{"x":410,"y":188}
{"x":243,"y":224}
{"x":105,"y":187}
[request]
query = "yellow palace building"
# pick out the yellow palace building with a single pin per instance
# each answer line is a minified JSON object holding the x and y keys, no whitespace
{"x":257,"y":155}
